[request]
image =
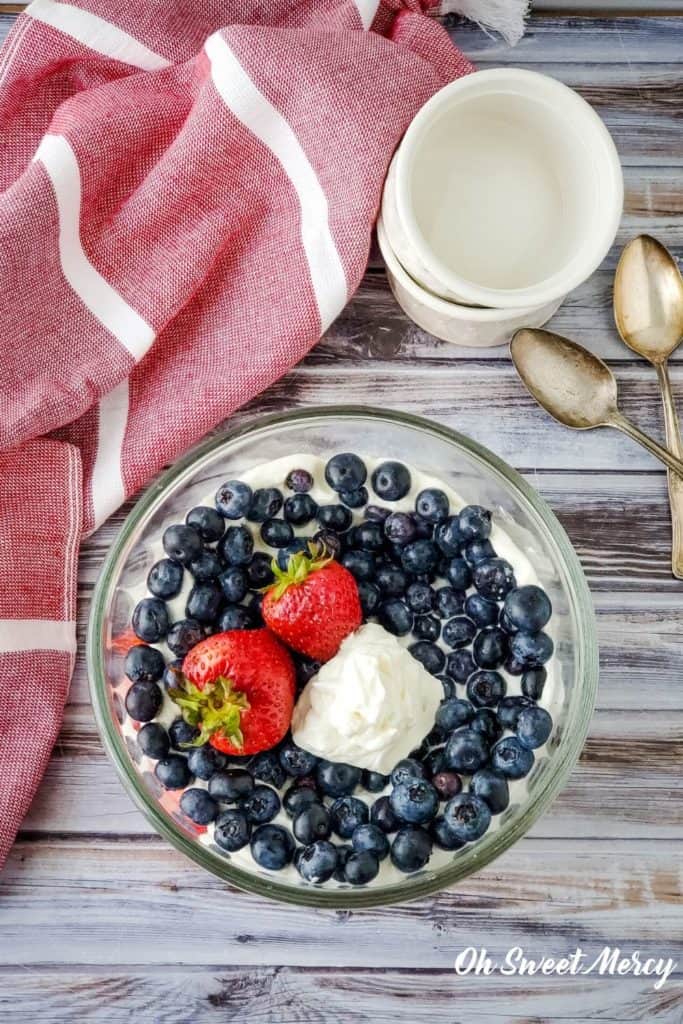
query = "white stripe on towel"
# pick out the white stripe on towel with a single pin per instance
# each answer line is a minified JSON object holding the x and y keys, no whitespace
{"x":37,"y":635}
{"x":107,"y":486}
{"x":367,"y":9}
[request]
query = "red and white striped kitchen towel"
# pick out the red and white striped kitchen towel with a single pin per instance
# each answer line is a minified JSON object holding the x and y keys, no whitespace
{"x":187,"y":193}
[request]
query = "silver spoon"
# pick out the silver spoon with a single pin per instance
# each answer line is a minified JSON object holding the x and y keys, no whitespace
{"x":576,"y":387}
{"x":648,"y":311}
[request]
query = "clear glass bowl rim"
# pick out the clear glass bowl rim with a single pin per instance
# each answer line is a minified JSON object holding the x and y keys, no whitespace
{"x":566,"y":756}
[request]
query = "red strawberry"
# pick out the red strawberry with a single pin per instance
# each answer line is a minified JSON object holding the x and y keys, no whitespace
{"x":313,"y":605}
{"x":238,"y":688}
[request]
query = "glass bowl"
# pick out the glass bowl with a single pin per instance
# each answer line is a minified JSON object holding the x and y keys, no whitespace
{"x":468,"y":468}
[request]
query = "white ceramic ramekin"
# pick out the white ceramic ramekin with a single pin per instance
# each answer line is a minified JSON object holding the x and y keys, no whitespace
{"x":507,"y":191}
{"x":461,"y":325}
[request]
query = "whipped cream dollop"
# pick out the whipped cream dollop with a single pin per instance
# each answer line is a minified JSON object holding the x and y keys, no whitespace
{"x":370,"y":705}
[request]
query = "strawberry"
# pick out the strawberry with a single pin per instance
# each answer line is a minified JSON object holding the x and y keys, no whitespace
{"x":313,"y":604}
{"x":238,"y":688}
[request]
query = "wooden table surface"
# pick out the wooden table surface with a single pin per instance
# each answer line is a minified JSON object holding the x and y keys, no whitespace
{"x":101,"y":920}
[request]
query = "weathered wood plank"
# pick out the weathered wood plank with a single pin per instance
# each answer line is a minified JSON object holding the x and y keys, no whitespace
{"x":622,"y":788}
{"x":546,"y":896}
{"x":296,"y":995}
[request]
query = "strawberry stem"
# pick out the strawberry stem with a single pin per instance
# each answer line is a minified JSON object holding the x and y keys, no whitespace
{"x":300,"y":565}
{"x":216,"y":708}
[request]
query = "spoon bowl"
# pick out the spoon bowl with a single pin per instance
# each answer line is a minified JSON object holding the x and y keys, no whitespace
{"x":648,"y":299}
{"x":572,"y":384}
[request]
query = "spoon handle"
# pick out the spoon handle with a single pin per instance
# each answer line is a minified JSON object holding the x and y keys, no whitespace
{"x":673,"y":441}
{"x":663,"y":454}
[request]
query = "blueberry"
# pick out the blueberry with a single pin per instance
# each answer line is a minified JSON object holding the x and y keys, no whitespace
{"x":374,"y":782}
{"x":370,"y":597}
{"x":458,"y":573}
{"x":165,"y":578}
{"x":432,"y":505}
{"x":493,"y":578}
{"x":266,"y":767}
{"x":447,"y":535}
{"x":391,"y":581}
{"x":284,"y":554}
{"x":533,"y":682}
{"x":153,"y":741}
{"x":205,"y":761}
{"x":482,"y":611}
{"x":448,"y":686}
{"x":485,"y":689}
{"x":354,"y":499}
{"x":306,"y":668}
{"x":299,"y":480}
{"x":382,"y":815}
{"x":395,"y":616}
{"x":406,"y":770}
{"x":449,"y":602}
{"x":429,"y":655}
{"x":235,"y":616}
{"x":198,"y":806}
{"x":434,"y":762}
{"x":360,"y":868}
{"x":233,"y":499}
{"x":466,"y":751}
{"x":143,"y":701}
{"x":204,"y":602}
{"x":311,"y":823}
{"x":422,"y":556}
{"x":207,"y":567}
{"x":346,"y":814}
{"x":334,"y":517}
{"x":460,"y":665}
{"x":510,"y":709}
{"x":428,"y":627}
{"x":345,"y":472}
{"x":172,"y":672}
{"x":453,"y":713}
{"x":447,"y":784}
{"x":182,"y":543}
{"x":299,"y":509}
{"x":528,"y":608}
{"x":415,"y":801}
{"x":266,"y":502}
{"x":478,"y":551}
{"x":173,"y":772}
{"x":490,"y":647}
{"x":492,"y":789}
{"x":411,"y":849}
{"x":337,"y":779}
{"x":420,"y":598}
{"x":530,"y":650}
{"x":475,"y":522}
{"x":376,"y":513}
{"x":368,"y":536}
{"x":144,"y":664}
{"x":232,"y":830}
{"x":458,"y":632}
{"x":261,"y":806}
{"x":317,"y":862}
{"x":276,"y":533}
{"x":231,"y":785}
{"x":486,"y":722}
{"x":371,"y":838}
{"x":442,"y":835}
{"x":511,"y":759}
{"x":233,"y":583}
{"x":534,"y":726}
{"x":361,"y":564}
{"x":391,"y":481}
{"x":208,"y":522}
{"x":181,"y":733}
{"x":399,"y":528}
{"x":236,"y":546}
{"x":260,"y":570}
{"x":295,"y":761}
{"x":330,"y":541}
{"x":467,"y":816}
{"x":272,"y":847}
{"x":297,"y":798}
{"x":150,"y":620}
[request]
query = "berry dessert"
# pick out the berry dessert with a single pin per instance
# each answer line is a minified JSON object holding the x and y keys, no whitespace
{"x":338,"y":671}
